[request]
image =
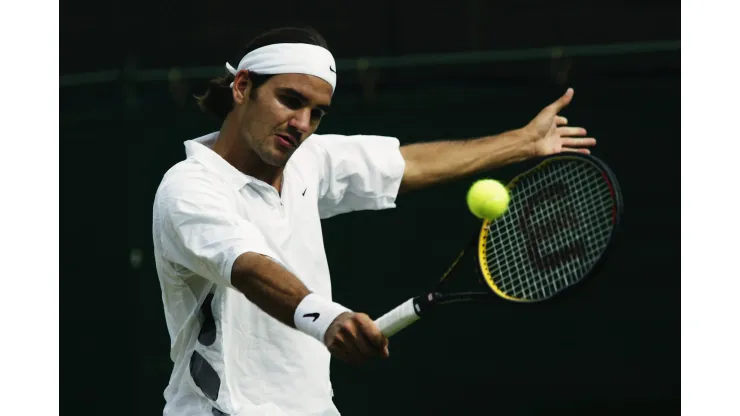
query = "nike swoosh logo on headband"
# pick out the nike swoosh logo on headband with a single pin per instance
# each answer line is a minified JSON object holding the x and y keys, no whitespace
{"x":332,"y":69}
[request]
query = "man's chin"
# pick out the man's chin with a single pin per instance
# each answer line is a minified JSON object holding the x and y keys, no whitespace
{"x":277,"y":158}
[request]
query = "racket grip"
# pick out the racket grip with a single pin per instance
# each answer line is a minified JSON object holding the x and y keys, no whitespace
{"x":397,"y":319}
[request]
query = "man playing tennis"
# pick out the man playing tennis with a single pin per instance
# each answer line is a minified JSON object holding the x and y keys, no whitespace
{"x":237,"y":232}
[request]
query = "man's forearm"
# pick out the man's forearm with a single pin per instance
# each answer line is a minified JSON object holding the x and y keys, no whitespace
{"x":436,"y":162}
{"x":268,"y":285}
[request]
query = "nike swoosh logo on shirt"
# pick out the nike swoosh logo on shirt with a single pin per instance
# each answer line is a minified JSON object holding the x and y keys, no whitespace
{"x":304,"y":192}
{"x":314,"y":315}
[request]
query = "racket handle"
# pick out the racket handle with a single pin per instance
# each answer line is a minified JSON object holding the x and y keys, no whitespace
{"x":397,"y":319}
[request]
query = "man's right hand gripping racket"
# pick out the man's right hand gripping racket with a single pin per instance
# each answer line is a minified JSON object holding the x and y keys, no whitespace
{"x":558,"y":229}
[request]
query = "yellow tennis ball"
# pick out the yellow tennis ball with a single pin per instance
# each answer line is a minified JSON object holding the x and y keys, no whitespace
{"x":488,"y":199}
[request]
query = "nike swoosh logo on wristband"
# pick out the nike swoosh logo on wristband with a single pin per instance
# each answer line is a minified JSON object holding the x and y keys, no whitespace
{"x":314,"y":315}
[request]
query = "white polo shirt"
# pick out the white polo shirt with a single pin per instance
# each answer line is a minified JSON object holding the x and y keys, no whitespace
{"x":231,"y":358}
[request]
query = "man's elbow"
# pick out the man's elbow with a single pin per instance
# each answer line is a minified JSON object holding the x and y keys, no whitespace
{"x":243,"y":268}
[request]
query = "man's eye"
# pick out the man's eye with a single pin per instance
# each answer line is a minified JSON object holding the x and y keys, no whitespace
{"x":317,"y":114}
{"x":291,"y":102}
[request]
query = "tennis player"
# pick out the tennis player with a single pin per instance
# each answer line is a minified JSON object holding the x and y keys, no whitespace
{"x":237,"y":232}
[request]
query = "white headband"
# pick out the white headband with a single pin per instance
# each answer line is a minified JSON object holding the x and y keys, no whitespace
{"x":290,"y":58}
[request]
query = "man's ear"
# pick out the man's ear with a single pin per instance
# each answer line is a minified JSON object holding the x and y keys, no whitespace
{"x":242,"y":86}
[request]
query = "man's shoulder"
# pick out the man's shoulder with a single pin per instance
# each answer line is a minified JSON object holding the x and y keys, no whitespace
{"x":315,"y":146}
{"x":185,"y":169}
{"x":330,"y":142}
{"x":188,"y":175}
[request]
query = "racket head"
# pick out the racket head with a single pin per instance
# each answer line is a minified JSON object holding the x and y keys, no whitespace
{"x":561,"y":222}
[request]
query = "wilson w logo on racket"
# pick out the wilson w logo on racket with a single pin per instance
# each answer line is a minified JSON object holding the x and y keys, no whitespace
{"x":558,"y":229}
{"x":535,"y":232}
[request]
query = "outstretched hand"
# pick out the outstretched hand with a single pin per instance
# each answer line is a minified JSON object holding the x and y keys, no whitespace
{"x":551,"y":133}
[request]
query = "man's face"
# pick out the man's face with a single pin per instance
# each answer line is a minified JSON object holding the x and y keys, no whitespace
{"x":281,"y":114}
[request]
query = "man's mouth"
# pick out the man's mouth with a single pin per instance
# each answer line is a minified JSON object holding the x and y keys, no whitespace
{"x":290,"y":139}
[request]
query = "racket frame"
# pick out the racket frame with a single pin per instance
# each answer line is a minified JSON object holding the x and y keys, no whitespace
{"x":416,"y":307}
{"x":618,"y":209}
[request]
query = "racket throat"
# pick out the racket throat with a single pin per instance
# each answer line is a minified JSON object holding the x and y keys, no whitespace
{"x":423,"y":304}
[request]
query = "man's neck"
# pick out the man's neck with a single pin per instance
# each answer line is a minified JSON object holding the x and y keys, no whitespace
{"x":236,"y":151}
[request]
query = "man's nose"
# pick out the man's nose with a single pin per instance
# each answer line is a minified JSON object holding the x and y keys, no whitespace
{"x":302,"y":120}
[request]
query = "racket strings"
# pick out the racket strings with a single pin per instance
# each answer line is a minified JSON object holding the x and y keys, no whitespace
{"x":558,"y":224}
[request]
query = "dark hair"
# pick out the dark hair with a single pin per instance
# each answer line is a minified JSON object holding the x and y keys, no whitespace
{"x":218,"y":100}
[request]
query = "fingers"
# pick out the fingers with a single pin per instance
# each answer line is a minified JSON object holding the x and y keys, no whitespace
{"x":346,"y":354}
{"x":563,"y":101}
{"x":570,"y":131}
{"x":343,"y":347}
{"x":578,"y":142}
{"x":363,"y":344}
{"x":580,"y":150}
{"x":357,"y":351}
{"x":560,"y":121}
{"x":351,"y":340}
{"x":356,"y":339}
{"x":372,"y":333}
{"x":571,"y":142}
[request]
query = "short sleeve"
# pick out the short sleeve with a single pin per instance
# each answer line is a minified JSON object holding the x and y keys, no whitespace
{"x":201,"y":230}
{"x":357,"y":173}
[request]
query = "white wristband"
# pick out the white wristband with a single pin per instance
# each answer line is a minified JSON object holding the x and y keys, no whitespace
{"x":314,"y":315}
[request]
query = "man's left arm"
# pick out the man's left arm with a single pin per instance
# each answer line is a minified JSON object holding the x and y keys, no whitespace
{"x":442,"y":161}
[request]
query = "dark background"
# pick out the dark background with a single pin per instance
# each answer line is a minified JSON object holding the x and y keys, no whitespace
{"x":433,"y":71}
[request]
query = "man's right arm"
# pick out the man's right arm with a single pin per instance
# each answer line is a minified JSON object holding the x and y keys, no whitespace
{"x":205,"y":234}
{"x":268,"y":285}
{"x":352,"y":337}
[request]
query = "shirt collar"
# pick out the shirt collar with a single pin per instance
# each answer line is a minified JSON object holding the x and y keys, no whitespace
{"x":200,"y":150}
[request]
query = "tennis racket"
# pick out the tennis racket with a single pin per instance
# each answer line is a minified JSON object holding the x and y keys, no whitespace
{"x":558,"y":229}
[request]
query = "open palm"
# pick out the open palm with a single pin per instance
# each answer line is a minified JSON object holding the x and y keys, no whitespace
{"x":552,"y":134}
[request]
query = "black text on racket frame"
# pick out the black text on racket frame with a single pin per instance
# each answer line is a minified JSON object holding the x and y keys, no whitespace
{"x":558,"y":230}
